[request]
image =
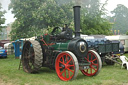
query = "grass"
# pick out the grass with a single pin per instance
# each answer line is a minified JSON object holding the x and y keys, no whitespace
{"x":10,"y":75}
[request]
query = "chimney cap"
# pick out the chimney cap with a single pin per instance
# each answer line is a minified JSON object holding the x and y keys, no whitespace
{"x":76,"y":6}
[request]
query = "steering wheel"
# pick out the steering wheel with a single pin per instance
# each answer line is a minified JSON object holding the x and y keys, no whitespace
{"x":56,"y":30}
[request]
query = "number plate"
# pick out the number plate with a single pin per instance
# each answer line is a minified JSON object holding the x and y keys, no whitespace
{"x":1,"y":52}
{"x":86,"y":67}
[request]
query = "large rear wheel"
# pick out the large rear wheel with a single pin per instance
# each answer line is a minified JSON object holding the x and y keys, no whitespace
{"x":32,"y":56}
{"x":95,"y":63}
{"x":66,"y":66}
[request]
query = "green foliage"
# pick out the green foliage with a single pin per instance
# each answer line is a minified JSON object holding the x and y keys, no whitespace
{"x":127,"y":33}
{"x":93,"y":21}
{"x":2,"y":19}
{"x":120,"y":18}
{"x":97,"y":25}
{"x":33,"y":16}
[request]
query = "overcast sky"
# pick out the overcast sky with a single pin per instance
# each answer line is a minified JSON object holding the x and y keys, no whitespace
{"x":113,"y":3}
{"x":110,"y":6}
{"x":9,"y":16}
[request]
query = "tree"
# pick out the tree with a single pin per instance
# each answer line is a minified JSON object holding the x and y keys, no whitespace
{"x":93,"y":21}
{"x":33,"y":16}
{"x":120,"y":18}
{"x":2,"y":19}
{"x":127,"y":33}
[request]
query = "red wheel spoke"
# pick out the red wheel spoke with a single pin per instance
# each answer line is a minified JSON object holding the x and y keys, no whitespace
{"x":86,"y":59}
{"x":65,"y":73}
{"x":69,"y":73}
{"x":66,"y":58}
{"x":94,"y":60}
{"x":70,"y":70}
{"x":61,"y":62}
{"x":94,"y":64}
{"x":93,"y":68}
{"x":70,"y":65}
{"x":63,"y":59}
{"x":62,"y":72}
{"x":60,"y":67}
{"x":68,"y":61}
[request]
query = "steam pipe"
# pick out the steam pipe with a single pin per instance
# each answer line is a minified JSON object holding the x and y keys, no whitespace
{"x":77,"y":20}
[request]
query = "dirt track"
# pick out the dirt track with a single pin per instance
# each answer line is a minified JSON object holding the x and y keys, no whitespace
{"x":4,"y":83}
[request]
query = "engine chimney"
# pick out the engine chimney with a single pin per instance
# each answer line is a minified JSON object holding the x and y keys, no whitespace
{"x":77,"y":20}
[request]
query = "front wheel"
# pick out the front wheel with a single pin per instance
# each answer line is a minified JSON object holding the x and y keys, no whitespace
{"x":66,"y":66}
{"x":95,"y":63}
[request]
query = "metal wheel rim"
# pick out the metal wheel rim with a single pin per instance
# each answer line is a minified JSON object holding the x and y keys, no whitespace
{"x":66,"y":66}
{"x":94,"y":66}
{"x":28,"y":60}
{"x":31,"y":56}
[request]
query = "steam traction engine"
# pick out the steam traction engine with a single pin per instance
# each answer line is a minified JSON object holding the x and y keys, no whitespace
{"x":62,"y":52}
